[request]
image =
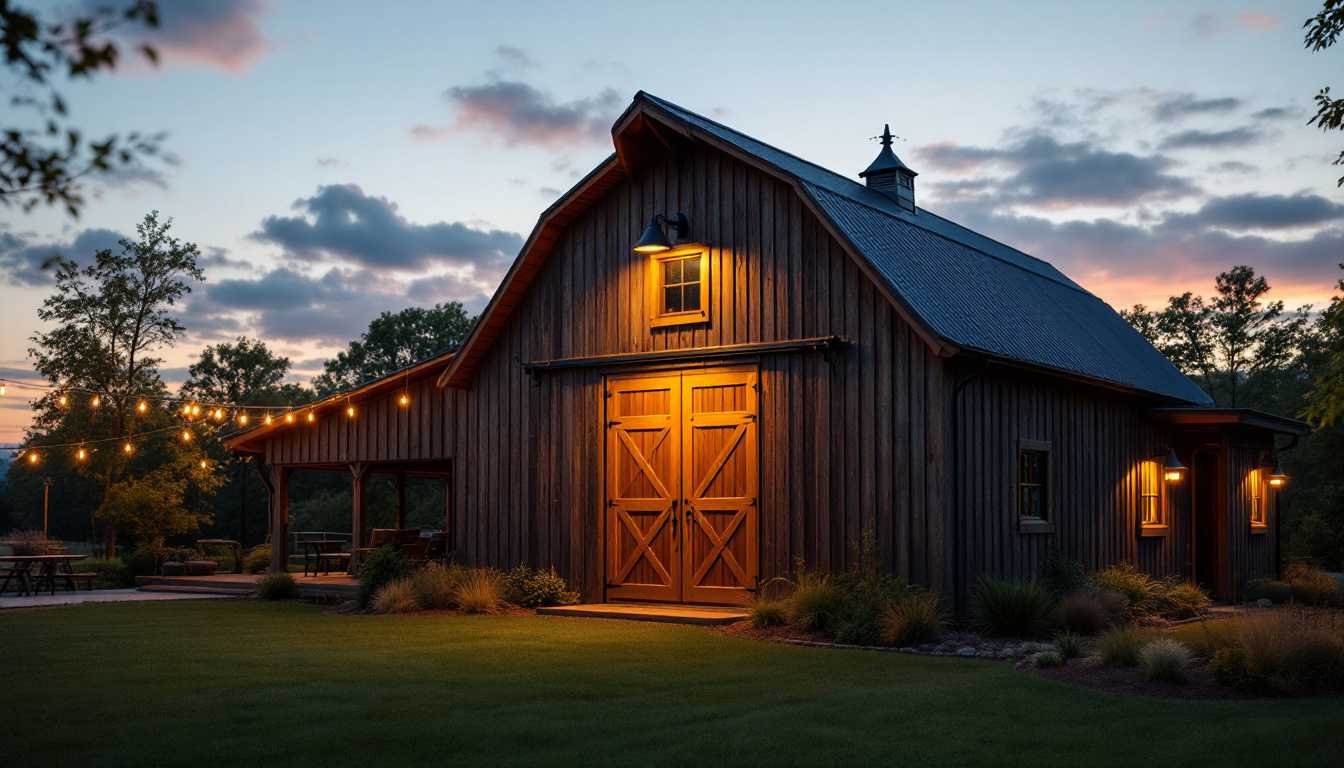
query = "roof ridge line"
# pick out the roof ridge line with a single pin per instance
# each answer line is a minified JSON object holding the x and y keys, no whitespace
{"x":978,"y":250}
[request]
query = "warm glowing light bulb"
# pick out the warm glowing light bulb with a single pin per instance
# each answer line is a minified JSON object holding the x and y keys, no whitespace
{"x":96,"y":401}
{"x":350,"y":411}
{"x":3,"y":390}
{"x":186,"y":436}
{"x":142,"y":407}
{"x":242,"y":418}
{"x":405,"y":400}
{"x":268,"y":418}
{"x":311,"y":417}
{"x":81,"y":454}
{"x":32,"y":458}
{"x":64,"y":401}
{"x":203,"y":463}
{"x":1173,"y":476}
{"x":126,"y":448}
{"x":195,"y":410}
{"x":289,"y":417}
{"x":1276,"y":482}
{"x":219,"y":414}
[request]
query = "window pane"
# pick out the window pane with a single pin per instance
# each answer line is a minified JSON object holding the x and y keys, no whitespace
{"x":671,"y":272}
{"x":672,"y":299}
{"x":691,"y":270}
{"x":690,"y":297}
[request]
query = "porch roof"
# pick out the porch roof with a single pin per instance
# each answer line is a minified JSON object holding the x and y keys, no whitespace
{"x":1244,"y":416}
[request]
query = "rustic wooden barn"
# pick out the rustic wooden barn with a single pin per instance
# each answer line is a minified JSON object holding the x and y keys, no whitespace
{"x":803,"y":358}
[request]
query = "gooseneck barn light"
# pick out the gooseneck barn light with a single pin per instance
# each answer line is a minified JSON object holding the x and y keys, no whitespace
{"x":1173,"y":470}
{"x":1276,"y":476}
{"x":654,"y":239}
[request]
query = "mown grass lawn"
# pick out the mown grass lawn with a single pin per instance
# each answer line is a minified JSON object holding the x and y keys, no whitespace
{"x":243,"y":683}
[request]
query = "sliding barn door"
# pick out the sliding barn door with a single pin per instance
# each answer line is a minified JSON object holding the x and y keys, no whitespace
{"x":719,"y":478}
{"x":682,"y":472}
{"x":643,"y":458}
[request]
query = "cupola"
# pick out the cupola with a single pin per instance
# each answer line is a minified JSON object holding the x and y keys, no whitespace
{"x":890,"y":176}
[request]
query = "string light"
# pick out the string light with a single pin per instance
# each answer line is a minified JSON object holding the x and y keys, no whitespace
{"x":289,"y":418}
{"x":186,"y":411}
{"x":349,"y":409}
{"x":186,"y":436}
{"x":203,"y":463}
{"x":2,"y":389}
{"x":404,"y":399}
{"x":96,"y":401}
{"x":32,"y":458}
{"x":142,"y":407}
{"x":64,"y":401}
{"x":81,"y":454}
{"x":195,"y":410}
{"x":268,"y":417}
{"x":242,"y":418}
{"x":311,"y":417}
{"x":219,"y":414}
{"x":127,"y":447}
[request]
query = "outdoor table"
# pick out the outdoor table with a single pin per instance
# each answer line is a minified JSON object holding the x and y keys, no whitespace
{"x":323,"y":551}
{"x":49,"y":569}
{"x":234,"y":546}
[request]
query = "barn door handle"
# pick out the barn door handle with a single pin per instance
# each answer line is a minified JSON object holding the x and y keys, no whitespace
{"x":674,"y":526}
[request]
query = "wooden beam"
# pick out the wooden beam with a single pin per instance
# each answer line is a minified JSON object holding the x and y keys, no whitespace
{"x":823,"y":344}
{"x":357,"y":511}
{"x":279,"y":482}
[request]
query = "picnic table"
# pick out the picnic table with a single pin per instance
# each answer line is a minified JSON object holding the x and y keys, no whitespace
{"x":323,"y":552}
{"x":32,"y":572}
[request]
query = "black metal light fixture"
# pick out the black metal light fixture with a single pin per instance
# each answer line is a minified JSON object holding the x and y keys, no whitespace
{"x":654,"y":240}
{"x":1173,"y":471}
{"x":1276,"y":476}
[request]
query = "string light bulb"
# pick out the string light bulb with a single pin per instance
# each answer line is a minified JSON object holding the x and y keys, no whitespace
{"x":97,"y":401}
{"x":242,"y":418}
{"x":32,"y":457}
{"x":350,"y":410}
{"x":289,"y":418}
{"x":219,"y":414}
{"x":311,"y":416}
{"x":405,"y":400}
{"x":3,"y":390}
{"x":64,"y":401}
{"x":127,"y":447}
{"x":195,"y":410}
{"x":81,"y":455}
{"x":142,"y":407}
{"x":268,"y":417}
{"x":204,"y":463}
{"x":186,"y":436}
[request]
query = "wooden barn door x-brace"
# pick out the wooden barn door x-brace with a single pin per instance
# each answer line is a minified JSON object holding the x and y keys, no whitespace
{"x":682,"y":522}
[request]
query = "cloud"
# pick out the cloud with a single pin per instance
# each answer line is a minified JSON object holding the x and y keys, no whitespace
{"x":1197,"y":139}
{"x":1219,"y":24}
{"x":1257,"y":212}
{"x":223,"y":34}
{"x":341,"y":222}
{"x":1177,"y":106}
{"x":1047,"y":173}
{"x":1273,"y":113}
{"x":520,"y":114}
{"x":23,"y":261}
{"x":1259,"y":23}
{"x":331,"y":162}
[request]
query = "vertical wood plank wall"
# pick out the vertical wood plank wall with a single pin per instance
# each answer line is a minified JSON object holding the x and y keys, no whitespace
{"x":1251,"y":554}
{"x":847,"y":445}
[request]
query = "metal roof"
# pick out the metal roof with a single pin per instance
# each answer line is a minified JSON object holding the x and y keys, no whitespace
{"x":975,"y":292}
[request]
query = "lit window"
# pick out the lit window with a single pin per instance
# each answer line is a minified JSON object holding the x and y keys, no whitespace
{"x":1033,"y":483}
{"x":680,"y":288}
{"x":1255,"y":484}
{"x":1152,"y":511}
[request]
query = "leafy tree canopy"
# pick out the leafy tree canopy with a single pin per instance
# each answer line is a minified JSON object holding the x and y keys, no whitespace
{"x":393,"y":342}
{"x":43,"y":157}
{"x":1323,"y":31}
{"x":244,"y":373}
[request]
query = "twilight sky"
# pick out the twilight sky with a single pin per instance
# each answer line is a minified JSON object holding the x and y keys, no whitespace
{"x":336,"y":159}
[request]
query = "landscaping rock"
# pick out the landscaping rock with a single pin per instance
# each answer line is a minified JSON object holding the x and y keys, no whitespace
{"x":966,"y":651}
{"x":1265,"y":602}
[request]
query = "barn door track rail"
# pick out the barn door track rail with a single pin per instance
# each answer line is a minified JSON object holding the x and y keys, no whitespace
{"x":826,"y":345}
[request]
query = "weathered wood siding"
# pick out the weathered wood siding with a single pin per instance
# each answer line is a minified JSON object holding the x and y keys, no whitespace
{"x":1099,"y":439}
{"x":382,"y":430}
{"x":847,"y":445}
{"x":1252,"y":552}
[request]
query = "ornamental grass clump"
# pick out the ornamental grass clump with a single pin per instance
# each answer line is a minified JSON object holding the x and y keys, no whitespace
{"x":817,"y":603}
{"x":1141,"y":591}
{"x":396,"y":597}
{"x":1070,"y":645}
{"x":378,"y":569}
{"x":1312,"y":586}
{"x":920,"y":618}
{"x":1010,"y":608}
{"x":480,"y":590}
{"x":433,"y":586}
{"x":277,"y":586}
{"x":1164,"y":659}
{"x":1089,"y":611}
{"x":1119,"y":647}
{"x":867,"y":591}
{"x":257,"y":559}
{"x":1184,"y":600}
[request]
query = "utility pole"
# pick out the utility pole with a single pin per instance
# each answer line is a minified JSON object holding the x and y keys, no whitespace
{"x":46,"y":497}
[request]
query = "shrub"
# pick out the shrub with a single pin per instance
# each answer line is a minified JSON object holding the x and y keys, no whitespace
{"x":112,"y":574}
{"x":1230,"y":670}
{"x":1184,"y":601}
{"x":1047,"y":659}
{"x":1164,"y":659}
{"x":1089,"y":611}
{"x":1310,"y":585}
{"x":143,"y":561}
{"x":1284,"y":650}
{"x":1119,"y":647}
{"x":277,"y":586}
{"x":867,"y":591}
{"x":817,"y":603}
{"x":1010,"y":608}
{"x":530,"y":588}
{"x":1267,"y":589}
{"x":27,"y":542}
{"x":433,"y":586}
{"x":1265,"y":638}
{"x":1141,"y":591}
{"x":917,"y":619}
{"x":396,"y":597}
{"x":1206,"y":638}
{"x":378,"y":569}
{"x":1071,"y":645}
{"x":1061,"y":576}
{"x":480,"y":590}
{"x":257,"y":559}
{"x":767,"y":613}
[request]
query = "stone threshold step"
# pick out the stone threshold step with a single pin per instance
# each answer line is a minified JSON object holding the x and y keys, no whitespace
{"x":194,"y":589}
{"x":704,"y":615}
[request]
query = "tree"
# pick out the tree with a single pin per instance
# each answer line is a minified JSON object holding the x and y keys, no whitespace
{"x":45,"y":163}
{"x":167,"y":500}
{"x":242,"y":373}
{"x":108,"y":320}
{"x":1323,"y":30}
{"x":1230,"y":340}
{"x":394,"y":342}
{"x":1325,"y":403}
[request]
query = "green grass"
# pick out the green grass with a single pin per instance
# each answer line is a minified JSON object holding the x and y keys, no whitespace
{"x":253,"y":683}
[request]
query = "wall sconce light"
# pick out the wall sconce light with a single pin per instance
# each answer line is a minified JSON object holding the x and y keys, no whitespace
{"x":1173,"y":470}
{"x":1277,"y":478}
{"x":654,"y":240}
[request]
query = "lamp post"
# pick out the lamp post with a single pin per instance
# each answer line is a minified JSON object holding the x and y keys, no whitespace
{"x":46,"y":497}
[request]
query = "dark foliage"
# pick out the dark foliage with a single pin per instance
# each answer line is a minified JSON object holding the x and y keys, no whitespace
{"x":378,"y":569}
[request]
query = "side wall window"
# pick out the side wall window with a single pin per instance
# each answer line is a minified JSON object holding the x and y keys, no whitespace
{"x":679,"y":287}
{"x":1033,"y":487}
{"x":1152,"y":501}
{"x":1258,"y":491}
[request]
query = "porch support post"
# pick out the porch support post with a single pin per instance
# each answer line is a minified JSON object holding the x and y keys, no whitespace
{"x":357,"y":470}
{"x":400,"y":479}
{"x":279,"y":487}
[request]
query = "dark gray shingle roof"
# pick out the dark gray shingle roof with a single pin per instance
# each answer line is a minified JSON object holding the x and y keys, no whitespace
{"x":973,"y":291}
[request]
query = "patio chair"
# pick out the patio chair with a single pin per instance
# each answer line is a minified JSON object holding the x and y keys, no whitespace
{"x":415,"y":552}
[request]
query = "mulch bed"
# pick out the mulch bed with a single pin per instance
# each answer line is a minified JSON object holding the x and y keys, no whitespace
{"x":1088,"y":673}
